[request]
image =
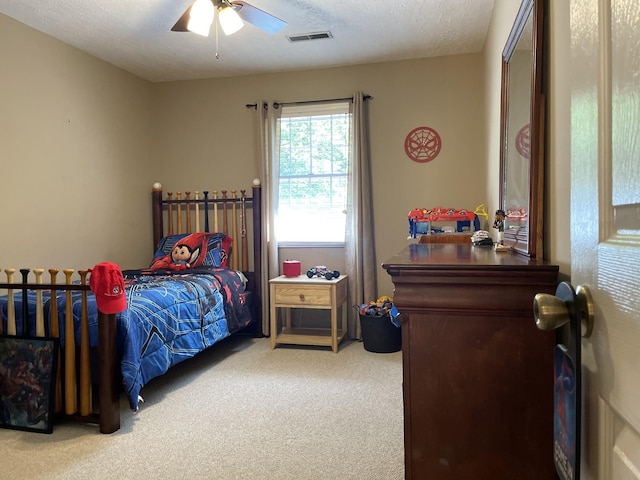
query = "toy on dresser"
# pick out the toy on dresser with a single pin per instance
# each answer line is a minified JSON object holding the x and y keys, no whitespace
{"x":421,"y":220}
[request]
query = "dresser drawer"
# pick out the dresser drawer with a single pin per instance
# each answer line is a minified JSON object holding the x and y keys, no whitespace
{"x":303,"y":295}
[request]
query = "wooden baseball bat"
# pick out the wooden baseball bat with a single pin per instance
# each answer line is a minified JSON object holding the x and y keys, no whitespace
{"x":70,"y":383}
{"x":215,"y":211}
{"x":11,"y":313}
{"x":54,"y":329}
{"x":39,"y":307}
{"x":170,"y":213}
{"x":85,"y":366}
{"x":26,"y":328}
{"x":179,"y":210}
{"x":234,"y":229}
{"x":225,"y":224}
{"x":197,"y":197}
{"x":188,"y":198}
{"x":243,"y":232}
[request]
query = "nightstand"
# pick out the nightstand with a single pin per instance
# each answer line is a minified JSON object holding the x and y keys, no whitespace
{"x":304,"y":292}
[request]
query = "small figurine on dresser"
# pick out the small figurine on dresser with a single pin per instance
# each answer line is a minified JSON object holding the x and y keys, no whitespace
{"x":498,"y":223}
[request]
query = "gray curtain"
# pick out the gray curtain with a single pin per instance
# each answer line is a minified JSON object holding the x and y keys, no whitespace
{"x":360,"y":241}
{"x":269,"y":128}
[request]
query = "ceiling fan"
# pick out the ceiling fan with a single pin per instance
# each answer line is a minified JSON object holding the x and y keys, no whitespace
{"x":231,"y":14}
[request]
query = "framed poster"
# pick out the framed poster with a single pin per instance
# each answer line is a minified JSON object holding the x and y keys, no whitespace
{"x":27,"y":376}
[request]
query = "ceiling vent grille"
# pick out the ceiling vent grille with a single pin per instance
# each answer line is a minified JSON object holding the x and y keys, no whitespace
{"x":301,"y":37}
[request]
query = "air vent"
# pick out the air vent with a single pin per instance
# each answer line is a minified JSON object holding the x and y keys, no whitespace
{"x":301,"y":37}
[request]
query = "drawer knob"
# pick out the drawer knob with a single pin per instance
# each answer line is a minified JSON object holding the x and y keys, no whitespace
{"x":301,"y":297}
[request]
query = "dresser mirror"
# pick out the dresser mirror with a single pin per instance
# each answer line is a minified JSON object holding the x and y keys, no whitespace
{"x":522,"y":132}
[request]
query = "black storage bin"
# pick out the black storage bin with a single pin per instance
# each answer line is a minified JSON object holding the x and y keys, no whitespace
{"x":379,"y":335}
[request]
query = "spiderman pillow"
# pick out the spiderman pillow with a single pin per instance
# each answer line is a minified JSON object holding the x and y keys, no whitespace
{"x":180,"y":252}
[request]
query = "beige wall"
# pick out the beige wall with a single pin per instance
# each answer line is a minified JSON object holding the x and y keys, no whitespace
{"x":558,"y":198}
{"x":74,"y":148}
{"x":204,"y":131}
{"x":83,"y":141}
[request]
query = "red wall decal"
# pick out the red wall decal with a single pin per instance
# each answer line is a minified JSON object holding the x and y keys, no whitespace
{"x":422,"y":144}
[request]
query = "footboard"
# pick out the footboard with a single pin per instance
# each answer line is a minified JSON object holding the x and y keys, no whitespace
{"x":29,"y":304}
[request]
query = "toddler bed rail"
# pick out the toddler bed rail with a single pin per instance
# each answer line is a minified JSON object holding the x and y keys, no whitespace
{"x":73,"y":395}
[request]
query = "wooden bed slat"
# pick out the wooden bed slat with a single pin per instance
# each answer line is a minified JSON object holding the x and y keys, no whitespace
{"x":170,"y":231}
{"x":11,"y":313}
{"x":196,"y":194}
{"x":225,"y":225}
{"x":179,"y":216}
{"x":188,"y":198}
{"x":206,"y":210}
{"x":25,"y":304}
{"x":243,"y":231}
{"x":85,"y":365}
{"x":54,"y":331}
{"x":70,"y":392}
{"x":215,"y":212}
{"x":38,"y":272}
{"x":234,"y":232}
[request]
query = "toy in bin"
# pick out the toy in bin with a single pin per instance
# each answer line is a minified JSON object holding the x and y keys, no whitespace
{"x":322,"y":271}
{"x":382,"y":307}
{"x":380,"y":327}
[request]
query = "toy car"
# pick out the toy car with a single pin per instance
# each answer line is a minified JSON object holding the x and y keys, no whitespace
{"x":322,"y":271}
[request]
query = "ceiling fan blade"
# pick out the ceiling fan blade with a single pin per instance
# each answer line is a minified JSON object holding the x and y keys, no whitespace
{"x":261,"y":19}
{"x":181,"y":24}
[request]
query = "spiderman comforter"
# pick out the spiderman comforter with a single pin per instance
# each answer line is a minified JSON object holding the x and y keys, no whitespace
{"x":169,"y":317}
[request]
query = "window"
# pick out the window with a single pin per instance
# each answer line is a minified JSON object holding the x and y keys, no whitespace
{"x":314,"y":165}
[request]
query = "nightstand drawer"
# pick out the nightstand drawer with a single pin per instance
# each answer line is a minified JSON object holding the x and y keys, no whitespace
{"x":303,"y":295}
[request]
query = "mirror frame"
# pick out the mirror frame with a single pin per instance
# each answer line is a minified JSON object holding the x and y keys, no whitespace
{"x":530,"y":242}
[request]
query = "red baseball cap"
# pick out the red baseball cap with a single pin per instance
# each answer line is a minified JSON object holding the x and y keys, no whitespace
{"x":107,"y":283}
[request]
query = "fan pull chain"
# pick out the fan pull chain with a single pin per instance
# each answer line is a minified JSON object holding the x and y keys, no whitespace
{"x":216,"y":29}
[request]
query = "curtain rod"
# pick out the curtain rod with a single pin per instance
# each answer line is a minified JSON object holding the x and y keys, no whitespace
{"x":307,"y":102}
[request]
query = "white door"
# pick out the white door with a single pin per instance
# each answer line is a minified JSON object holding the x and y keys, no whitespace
{"x":605,"y":228}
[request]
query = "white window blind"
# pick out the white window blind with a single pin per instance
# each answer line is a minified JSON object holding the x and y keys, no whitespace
{"x":315,"y":152}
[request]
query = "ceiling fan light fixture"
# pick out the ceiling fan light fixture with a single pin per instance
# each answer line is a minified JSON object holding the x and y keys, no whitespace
{"x":201,"y":17}
{"x":230,"y":21}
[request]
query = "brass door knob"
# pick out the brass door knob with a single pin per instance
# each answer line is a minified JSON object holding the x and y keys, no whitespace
{"x":553,"y":311}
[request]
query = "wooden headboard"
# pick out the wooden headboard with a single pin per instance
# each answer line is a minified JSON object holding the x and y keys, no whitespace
{"x":238,"y":213}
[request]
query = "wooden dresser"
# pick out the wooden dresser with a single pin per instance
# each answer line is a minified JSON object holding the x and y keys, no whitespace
{"x":477,"y":373}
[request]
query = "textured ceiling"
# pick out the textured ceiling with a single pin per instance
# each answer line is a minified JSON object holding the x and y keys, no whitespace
{"x":136,"y":34}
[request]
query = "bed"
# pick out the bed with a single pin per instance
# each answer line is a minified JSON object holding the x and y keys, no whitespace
{"x":176,"y":307}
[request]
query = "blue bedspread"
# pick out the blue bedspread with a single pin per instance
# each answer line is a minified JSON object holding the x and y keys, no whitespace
{"x":169,"y":318}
